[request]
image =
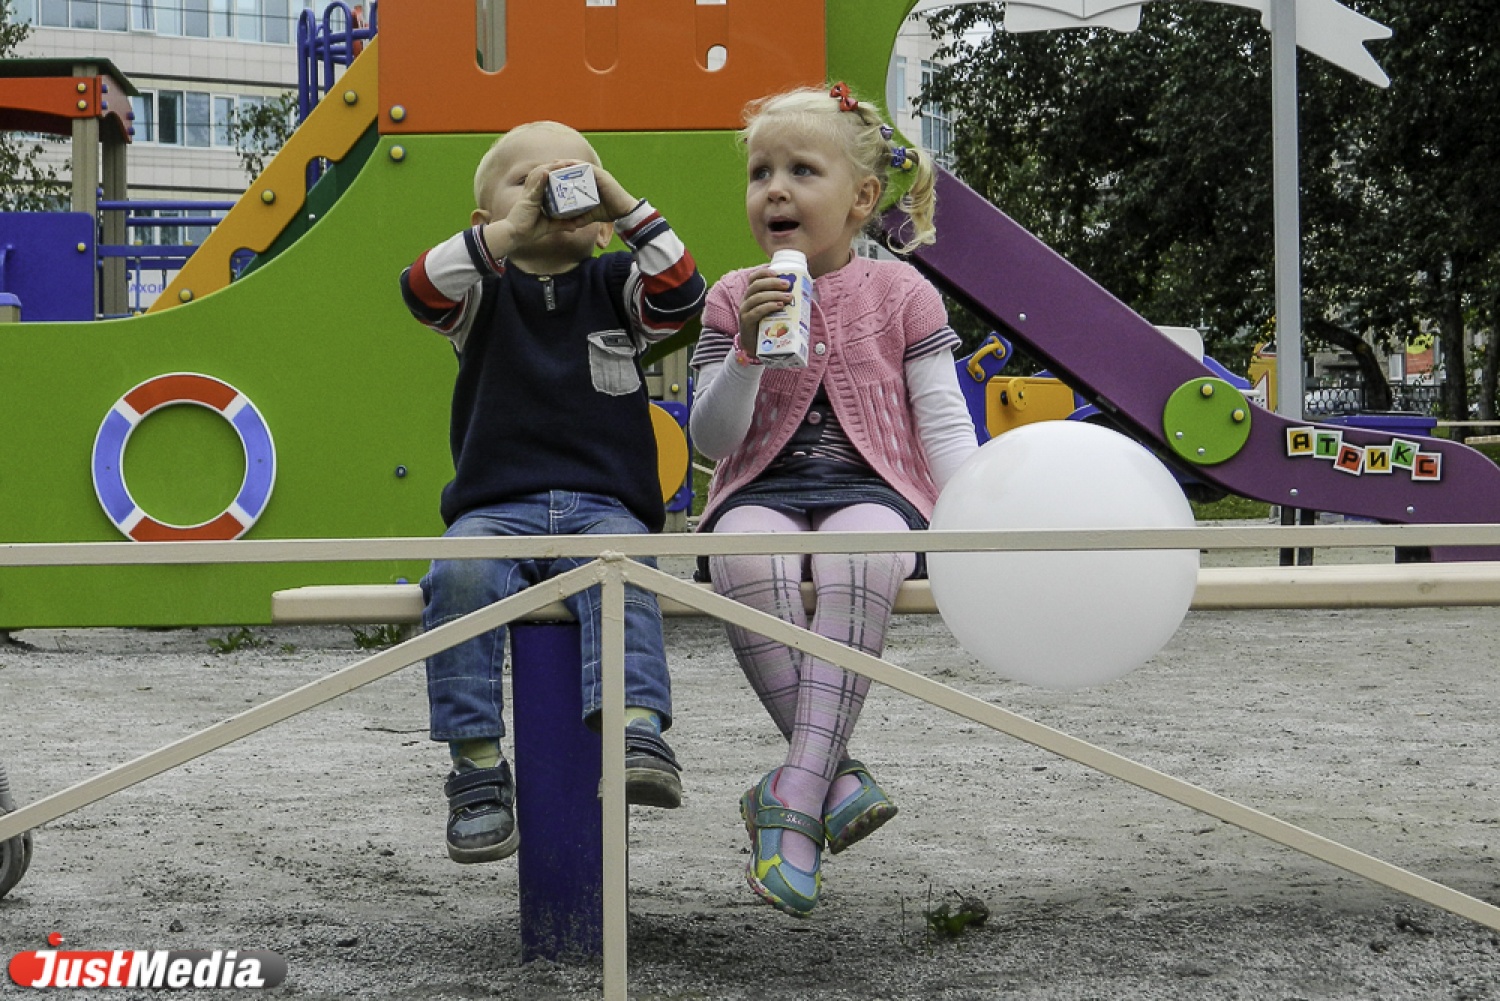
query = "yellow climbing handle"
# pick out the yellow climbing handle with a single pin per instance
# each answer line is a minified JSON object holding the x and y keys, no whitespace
{"x":278,"y":194}
{"x":992,"y":346}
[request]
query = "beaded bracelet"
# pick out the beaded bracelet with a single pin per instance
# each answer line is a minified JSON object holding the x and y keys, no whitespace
{"x":740,"y":357}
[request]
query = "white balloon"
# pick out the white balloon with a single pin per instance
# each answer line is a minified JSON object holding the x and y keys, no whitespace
{"x":1063,"y":620}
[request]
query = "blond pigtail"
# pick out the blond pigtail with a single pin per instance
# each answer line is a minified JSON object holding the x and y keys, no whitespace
{"x":920,"y":202}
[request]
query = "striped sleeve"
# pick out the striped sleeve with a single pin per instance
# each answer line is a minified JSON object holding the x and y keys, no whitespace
{"x":442,"y":285}
{"x":945,"y":338}
{"x":713,"y":347}
{"x":721,"y":315}
{"x":665,"y":290}
{"x":924,"y":318}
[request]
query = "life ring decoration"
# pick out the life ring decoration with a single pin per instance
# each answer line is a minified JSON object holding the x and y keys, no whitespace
{"x":165,"y":391}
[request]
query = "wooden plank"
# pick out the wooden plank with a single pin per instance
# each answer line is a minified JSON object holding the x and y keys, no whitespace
{"x":1359,"y":585}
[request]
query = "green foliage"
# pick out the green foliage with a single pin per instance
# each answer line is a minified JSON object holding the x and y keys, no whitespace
{"x":26,"y":185}
{"x":1232,"y":508}
{"x":1146,"y":159}
{"x":379,"y":637}
{"x":1490,"y":450}
{"x":236,"y":640}
{"x":258,"y":131}
{"x":949,"y":920}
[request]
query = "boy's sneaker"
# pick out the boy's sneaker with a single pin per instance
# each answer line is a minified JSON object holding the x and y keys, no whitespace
{"x":481,"y":812}
{"x":651,"y":772}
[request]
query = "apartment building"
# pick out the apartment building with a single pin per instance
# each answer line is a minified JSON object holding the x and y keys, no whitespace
{"x":913,"y":63}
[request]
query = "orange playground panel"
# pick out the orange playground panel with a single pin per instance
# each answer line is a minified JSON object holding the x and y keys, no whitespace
{"x":592,"y":66}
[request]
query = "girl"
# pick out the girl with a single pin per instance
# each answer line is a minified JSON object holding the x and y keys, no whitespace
{"x":861,"y":439}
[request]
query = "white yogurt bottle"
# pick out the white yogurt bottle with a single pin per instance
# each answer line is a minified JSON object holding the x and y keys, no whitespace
{"x":783,"y":336}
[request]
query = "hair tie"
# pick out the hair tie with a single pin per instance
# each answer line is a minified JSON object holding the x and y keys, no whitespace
{"x":845,"y":97}
{"x":903,"y":159}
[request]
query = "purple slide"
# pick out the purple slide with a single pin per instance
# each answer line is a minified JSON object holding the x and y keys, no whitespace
{"x":1148,"y":384}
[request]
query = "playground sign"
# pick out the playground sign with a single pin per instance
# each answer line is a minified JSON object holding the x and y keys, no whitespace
{"x":1358,"y":460}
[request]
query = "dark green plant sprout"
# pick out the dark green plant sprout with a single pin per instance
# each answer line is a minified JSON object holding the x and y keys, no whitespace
{"x":950,"y":920}
{"x":237,"y":639}
{"x":379,"y":637}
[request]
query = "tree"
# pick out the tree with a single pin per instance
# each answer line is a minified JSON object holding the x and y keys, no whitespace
{"x":259,"y":130}
{"x":26,"y":184}
{"x":1146,"y":159}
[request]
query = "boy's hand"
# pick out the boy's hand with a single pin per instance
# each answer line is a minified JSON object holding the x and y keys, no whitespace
{"x":765,"y":294}
{"x":527,"y":223}
{"x":614,"y":201}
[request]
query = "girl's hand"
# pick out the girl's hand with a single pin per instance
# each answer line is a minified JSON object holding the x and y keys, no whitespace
{"x":765,"y":294}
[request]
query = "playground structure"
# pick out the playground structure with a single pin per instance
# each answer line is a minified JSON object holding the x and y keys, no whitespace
{"x":67,"y":266}
{"x":1199,"y":422}
{"x":87,"y":100}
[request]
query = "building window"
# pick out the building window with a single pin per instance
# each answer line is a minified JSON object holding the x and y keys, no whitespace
{"x":187,"y":118}
{"x":279,"y":19}
{"x":168,"y":17}
{"x":223,"y":112}
{"x":144,"y":106}
{"x":195,"y":18}
{"x":90,"y":15}
{"x":197,"y":130}
{"x":244,"y":20}
{"x":895,"y":88}
{"x":85,"y":14}
{"x":937,"y":127}
{"x":248,"y":21}
{"x":114,"y":15}
{"x":169,"y":118}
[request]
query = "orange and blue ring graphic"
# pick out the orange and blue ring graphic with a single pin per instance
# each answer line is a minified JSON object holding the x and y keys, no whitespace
{"x":165,"y":391}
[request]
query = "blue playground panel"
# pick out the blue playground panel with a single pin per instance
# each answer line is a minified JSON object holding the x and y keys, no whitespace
{"x":1391,"y":422}
{"x":47,"y":261}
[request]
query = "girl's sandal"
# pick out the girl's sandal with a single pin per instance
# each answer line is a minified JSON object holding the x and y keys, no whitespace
{"x":774,"y":880}
{"x":859,"y":815}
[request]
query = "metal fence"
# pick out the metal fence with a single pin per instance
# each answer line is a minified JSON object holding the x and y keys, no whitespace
{"x":1329,"y":401}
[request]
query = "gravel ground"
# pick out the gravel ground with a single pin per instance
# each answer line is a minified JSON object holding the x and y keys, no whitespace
{"x":320,"y":838}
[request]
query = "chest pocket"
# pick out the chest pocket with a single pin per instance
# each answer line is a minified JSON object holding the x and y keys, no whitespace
{"x":612,"y":363}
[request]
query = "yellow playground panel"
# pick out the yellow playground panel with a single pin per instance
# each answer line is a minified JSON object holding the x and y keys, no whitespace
{"x":1011,"y":401}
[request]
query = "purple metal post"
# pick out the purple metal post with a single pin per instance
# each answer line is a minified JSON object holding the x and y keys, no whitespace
{"x":557,"y":797}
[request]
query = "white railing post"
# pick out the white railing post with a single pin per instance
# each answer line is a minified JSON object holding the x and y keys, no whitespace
{"x":616,"y":819}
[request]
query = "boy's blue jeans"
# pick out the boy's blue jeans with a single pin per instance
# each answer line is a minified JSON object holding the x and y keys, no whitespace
{"x":465,"y":683}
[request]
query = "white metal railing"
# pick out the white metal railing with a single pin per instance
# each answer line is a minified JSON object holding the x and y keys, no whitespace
{"x":611,"y":569}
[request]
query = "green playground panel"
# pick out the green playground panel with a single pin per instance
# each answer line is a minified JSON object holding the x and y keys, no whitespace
{"x":317,"y":338}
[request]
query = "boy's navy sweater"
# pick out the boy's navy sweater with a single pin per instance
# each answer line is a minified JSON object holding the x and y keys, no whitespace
{"x":550,"y":393}
{"x":527,"y":414}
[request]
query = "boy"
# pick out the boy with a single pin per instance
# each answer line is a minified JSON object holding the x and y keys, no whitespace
{"x":551,"y":435}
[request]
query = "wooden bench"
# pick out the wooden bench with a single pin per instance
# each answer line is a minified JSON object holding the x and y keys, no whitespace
{"x":1356,"y":585}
